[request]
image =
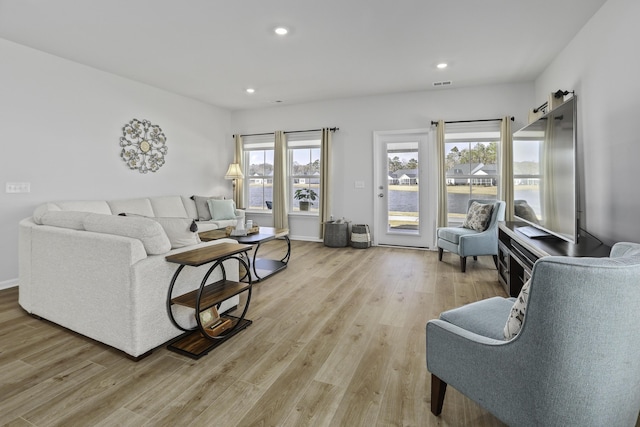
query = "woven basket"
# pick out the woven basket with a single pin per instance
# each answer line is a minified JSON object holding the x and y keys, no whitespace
{"x":336,"y":235}
{"x":360,"y":236}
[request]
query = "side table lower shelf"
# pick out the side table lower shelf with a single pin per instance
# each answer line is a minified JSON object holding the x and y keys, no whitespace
{"x":195,"y":345}
{"x":198,"y":341}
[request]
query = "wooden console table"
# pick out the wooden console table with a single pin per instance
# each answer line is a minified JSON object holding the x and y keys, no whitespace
{"x":197,"y":342}
{"x":261,"y":267}
{"x":265,"y":267}
{"x":517,"y":253}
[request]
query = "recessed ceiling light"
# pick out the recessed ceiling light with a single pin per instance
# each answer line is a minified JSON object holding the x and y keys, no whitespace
{"x":250,"y":90}
{"x":442,"y":65}
{"x":281,"y":31}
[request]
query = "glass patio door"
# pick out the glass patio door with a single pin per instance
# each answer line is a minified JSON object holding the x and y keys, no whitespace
{"x":401,"y":217}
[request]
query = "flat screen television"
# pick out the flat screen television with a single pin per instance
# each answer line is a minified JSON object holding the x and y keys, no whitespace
{"x":544,"y":175}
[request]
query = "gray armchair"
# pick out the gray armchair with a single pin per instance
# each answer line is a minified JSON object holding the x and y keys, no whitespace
{"x":576,"y":360}
{"x":466,"y":242}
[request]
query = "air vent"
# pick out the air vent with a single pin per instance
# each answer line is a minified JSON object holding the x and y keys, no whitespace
{"x":443,"y":83}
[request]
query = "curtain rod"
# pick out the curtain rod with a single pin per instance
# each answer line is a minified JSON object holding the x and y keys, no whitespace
{"x":333,"y":129}
{"x":470,"y":121}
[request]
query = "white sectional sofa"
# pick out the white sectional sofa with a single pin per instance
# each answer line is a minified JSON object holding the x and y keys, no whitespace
{"x":85,"y":267}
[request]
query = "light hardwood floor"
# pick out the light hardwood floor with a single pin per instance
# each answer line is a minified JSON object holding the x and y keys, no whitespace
{"x":338,"y":339}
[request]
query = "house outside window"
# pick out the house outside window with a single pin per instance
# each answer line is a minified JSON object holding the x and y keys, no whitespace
{"x":471,"y":164}
{"x":304,"y":168}
{"x":258,"y":172}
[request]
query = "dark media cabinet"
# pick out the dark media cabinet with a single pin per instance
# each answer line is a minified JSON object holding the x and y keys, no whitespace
{"x":517,"y":253}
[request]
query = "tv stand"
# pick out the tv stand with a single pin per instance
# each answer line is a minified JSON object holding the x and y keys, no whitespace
{"x":517,"y":253}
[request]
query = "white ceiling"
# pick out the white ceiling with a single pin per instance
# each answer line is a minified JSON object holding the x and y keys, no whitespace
{"x":212,"y":50}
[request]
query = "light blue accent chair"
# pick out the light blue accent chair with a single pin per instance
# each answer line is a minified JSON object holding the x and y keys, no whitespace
{"x":466,"y":242}
{"x":576,"y":360}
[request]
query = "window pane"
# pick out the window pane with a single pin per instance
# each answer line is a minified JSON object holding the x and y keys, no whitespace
{"x":259,"y":179}
{"x":304,"y":178}
{"x":471,"y":172}
{"x":306,"y":161}
{"x":403,"y":187}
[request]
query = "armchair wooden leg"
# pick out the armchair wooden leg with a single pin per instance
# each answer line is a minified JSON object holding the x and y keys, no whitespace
{"x":438,"y":389}
{"x":475,"y":258}
{"x":440,"y":250}
{"x":463,"y":264}
{"x":495,"y":260}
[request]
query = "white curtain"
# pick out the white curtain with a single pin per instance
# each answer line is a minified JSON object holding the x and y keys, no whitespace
{"x":506,"y":167}
{"x":325,"y":178}
{"x":238,"y":193}
{"x":280,"y":211}
{"x":442,"y":217}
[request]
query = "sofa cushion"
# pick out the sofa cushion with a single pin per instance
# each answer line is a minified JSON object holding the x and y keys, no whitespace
{"x":453,"y":234}
{"x":478,"y":216}
{"x":94,"y":206}
{"x":222,"y":209}
{"x":42,"y":209}
{"x":204,"y":214}
{"x":134,"y":206}
{"x":148,"y":231}
{"x":180,"y":231}
{"x":190,"y":207}
{"x":517,"y":313}
{"x":65,"y":219}
{"x":168,"y":206}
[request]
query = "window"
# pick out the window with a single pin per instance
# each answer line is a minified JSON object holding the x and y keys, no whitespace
{"x":471,"y":163}
{"x":304,"y":171}
{"x":258,"y":172}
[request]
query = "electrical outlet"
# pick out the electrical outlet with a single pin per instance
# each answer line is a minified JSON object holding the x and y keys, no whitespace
{"x":359,"y":184}
{"x":18,"y":187}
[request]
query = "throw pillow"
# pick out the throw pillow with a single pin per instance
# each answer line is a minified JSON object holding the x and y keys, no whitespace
{"x":204,"y":214}
{"x":180,"y":231}
{"x":222,"y":209}
{"x":149,"y":232}
{"x":478,"y":217}
{"x":516,"y":316}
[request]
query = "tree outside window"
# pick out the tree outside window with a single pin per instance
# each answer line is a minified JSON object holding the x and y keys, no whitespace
{"x":471,"y":173}
{"x":259,"y":178}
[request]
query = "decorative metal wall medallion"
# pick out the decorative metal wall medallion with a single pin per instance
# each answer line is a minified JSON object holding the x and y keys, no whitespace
{"x":143,"y":146}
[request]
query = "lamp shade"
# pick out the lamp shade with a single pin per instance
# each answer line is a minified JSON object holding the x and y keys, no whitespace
{"x":234,"y":172}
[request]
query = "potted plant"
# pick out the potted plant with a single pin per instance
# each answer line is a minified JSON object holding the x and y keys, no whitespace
{"x":306,"y":196}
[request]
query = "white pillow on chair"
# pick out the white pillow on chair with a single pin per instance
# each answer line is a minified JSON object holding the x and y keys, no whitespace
{"x":516,"y":316}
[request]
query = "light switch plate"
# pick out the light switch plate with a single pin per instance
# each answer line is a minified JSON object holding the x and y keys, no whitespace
{"x":18,"y":187}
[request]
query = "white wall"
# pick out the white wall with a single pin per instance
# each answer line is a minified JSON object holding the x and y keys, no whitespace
{"x":60,"y":124}
{"x":603,"y":66}
{"x":358,"y":118}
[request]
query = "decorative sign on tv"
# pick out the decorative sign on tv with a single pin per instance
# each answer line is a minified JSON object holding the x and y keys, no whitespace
{"x":143,"y":146}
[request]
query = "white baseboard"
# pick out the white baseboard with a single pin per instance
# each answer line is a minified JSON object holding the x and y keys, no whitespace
{"x":8,"y":284}
{"x":305,"y":238}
